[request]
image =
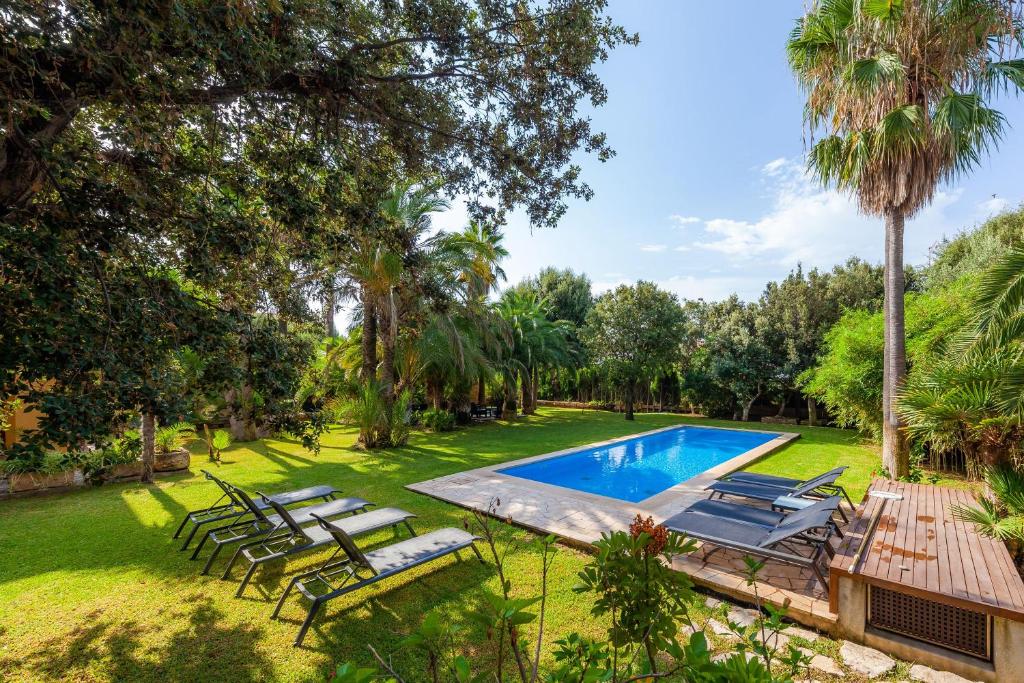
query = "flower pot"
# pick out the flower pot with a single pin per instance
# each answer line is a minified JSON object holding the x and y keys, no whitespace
{"x":172,"y":462}
{"x":124,"y":471}
{"x":36,"y":481}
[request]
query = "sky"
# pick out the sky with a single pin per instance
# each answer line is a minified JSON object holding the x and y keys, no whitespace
{"x":706,"y":195}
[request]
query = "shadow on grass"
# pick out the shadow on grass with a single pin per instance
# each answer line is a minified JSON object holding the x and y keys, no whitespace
{"x":122,"y":651}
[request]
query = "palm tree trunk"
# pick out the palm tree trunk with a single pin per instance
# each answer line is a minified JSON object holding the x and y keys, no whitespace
{"x":895,"y":451}
{"x":330,"y":306}
{"x":369,"y":369}
{"x":148,"y":445}
{"x":629,"y":399}
{"x":526,"y":391}
{"x":480,"y":389}
{"x":812,"y":412}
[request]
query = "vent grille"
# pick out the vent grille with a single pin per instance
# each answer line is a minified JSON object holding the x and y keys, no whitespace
{"x":951,"y":627}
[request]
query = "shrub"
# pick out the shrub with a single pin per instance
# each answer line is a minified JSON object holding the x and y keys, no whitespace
{"x":437,"y":420}
{"x":173,"y":437}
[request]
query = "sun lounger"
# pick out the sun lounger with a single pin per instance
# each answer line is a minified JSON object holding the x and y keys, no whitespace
{"x":745,"y":513}
{"x":810,"y":530}
{"x":227,"y":507}
{"x":771,"y":479}
{"x":820,"y":486}
{"x":360,"y":569}
{"x":256,"y":523}
{"x":295,"y":539}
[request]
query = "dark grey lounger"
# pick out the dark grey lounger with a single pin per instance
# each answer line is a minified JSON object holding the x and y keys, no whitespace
{"x":744,"y":513}
{"x":224,"y":511}
{"x":772,"y":480}
{"x":296,"y":539}
{"x":810,"y":528}
{"x":255,"y":523}
{"x":377,"y":565}
{"x":823,"y":484}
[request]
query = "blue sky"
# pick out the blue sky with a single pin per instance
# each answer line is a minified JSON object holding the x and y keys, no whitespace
{"x":706,"y":194}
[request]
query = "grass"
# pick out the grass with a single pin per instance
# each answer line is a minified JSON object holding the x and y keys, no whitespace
{"x":93,"y":588}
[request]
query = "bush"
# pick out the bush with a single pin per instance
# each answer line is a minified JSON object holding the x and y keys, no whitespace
{"x":173,"y":437}
{"x":437,"y":420}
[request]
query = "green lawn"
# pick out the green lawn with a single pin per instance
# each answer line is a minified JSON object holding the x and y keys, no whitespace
{"x":93,"y":588}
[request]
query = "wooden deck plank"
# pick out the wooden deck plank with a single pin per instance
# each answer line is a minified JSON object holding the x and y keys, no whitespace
{"x":943,"y":559}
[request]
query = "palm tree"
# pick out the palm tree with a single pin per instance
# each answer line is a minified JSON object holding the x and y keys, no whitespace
{"x":535,"y":342}
{"x":899,"y":90}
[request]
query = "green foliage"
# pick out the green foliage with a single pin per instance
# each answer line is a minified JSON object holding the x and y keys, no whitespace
{"x":634,"y":584}
{"x":437,"y":420}
{"x":173,"y":436}
{"x":1001,"y":511}
{"x":848,"y":377}
{"x":633,"y":333}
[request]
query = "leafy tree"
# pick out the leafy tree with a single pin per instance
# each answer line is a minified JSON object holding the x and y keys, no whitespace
{"x":847,"y":377}
{"x":899,"y":89}
{"x":739,"y":352}
{"x":633,"y":333}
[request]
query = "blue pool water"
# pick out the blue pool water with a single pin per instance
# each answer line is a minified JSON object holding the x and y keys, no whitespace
{"x":642,"y":467}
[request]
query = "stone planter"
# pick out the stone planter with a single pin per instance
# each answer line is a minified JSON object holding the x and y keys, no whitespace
{"x":35,"y":481}
{"x":124,"y":472}
{"x":174,"y":461}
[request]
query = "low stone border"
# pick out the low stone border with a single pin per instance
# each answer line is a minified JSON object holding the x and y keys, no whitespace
{"x":34,"y":483}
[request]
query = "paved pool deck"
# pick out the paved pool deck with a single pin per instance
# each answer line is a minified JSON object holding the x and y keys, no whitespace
{"x":579,"y":519}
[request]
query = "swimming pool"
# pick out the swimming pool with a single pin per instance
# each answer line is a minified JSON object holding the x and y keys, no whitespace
{"x":639,"y":468}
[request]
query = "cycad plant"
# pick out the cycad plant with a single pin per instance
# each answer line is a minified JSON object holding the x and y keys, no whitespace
{"x":898,"y":90}
{"x":971,"y":399}
{"x":1001,"y":511}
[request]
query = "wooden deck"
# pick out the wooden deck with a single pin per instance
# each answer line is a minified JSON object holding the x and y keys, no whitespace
{"x":918,"y":547}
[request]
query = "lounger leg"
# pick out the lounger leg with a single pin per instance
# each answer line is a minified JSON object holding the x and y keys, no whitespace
{"x":284,"y":596}
{"x":409,"y":527}
{"x":458,"y":557}
{"x":231,"y":563}
{"x":191,"y":535}
{"x":820,"y":576}
{"x":245,"y":579}
{"x":202,"y":542}
{"x":477,"y":552}
{"x":307,"y":622}
{"x":182,"y":526}
{"x":211,"y":558}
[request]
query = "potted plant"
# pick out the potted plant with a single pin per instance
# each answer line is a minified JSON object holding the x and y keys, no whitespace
{"x":169,"y":442}
{"x":52,"y":470}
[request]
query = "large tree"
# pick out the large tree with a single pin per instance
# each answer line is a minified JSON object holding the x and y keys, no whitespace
{"x":634,"y":332}
{"x":899,"y":90}
{"x":245,"y":145}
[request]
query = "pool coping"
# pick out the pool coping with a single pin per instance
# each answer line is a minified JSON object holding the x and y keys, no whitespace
{"x":579,"y":517}
{"x":707,"y":476}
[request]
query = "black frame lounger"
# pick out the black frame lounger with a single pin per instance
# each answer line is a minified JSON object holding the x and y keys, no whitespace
{"x":746,"y":513}
{"x":220,"y":512}
{"x":811,"y":528}
{"x":772,"y":480}
{"x":298,"y":539}
{"x":255,"y":523}
{"x":379,"y":564}
{"x":820,"y":486}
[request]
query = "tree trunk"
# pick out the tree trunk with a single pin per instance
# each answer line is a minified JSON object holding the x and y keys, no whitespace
{"x":481,"y":396}
{"x":534,"y":382}
{"x":525,"y":392}
{"x":148,"y":445}
{"x":629,"y":400}
{"x":895,"y":450}
{"x":812,"y":412}
{"x":369,"y":369}
{"x":781,"y":406}
{"x":330,"y":306}
{"x":746,"y":409}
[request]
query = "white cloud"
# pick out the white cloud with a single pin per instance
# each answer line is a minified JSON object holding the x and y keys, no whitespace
{"x":653,"y":248}
{"x":774,"y":167}
{"x":683,"y":220}
{"x":683,"y":247}
{"x":991,"y":207}
{"x":817,"y":226}
{"x":713,"y":288}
